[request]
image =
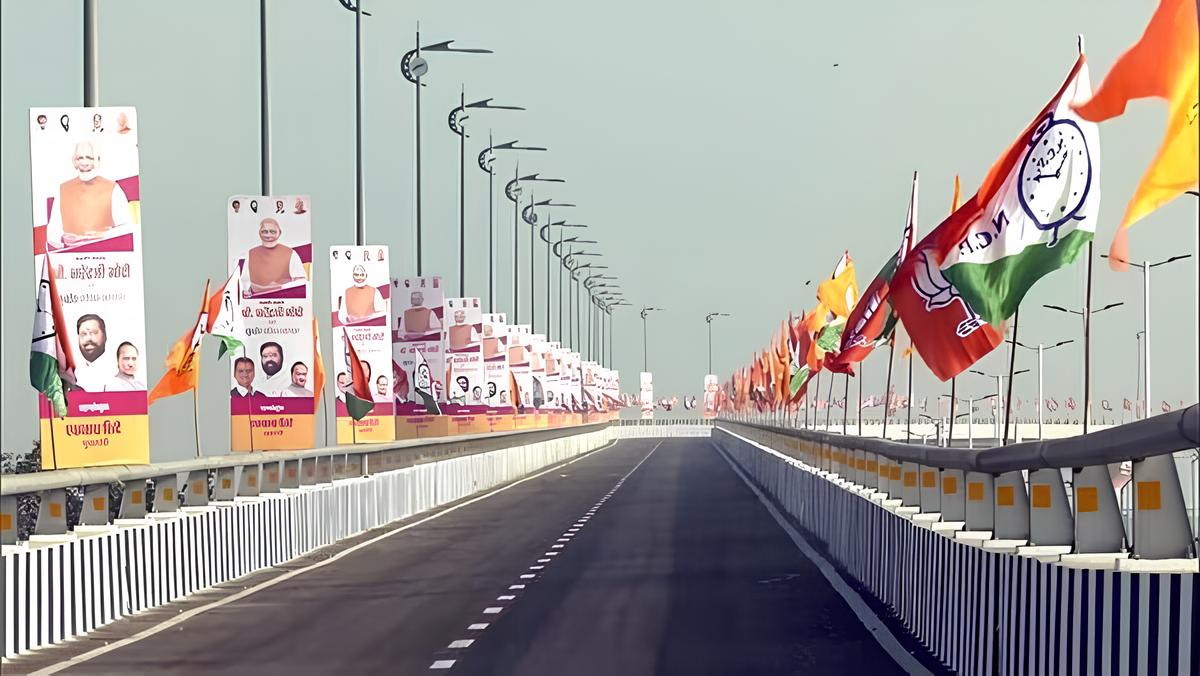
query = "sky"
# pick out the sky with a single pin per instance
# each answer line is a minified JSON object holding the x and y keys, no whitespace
{"x":722,"y":154}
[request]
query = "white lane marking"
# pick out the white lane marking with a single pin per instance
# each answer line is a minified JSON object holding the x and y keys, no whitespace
{"x":493,"y":610}
{"x":185,"y":616}
{"x":556,"y":546}
{"x":543,"y":560}
{"x":528,"y":576}
{"x":478,"y":626}
{"x":442,"y":664}
{"x":461,"y":643}
{"x":870,"y":620}
{"x":536,"y":567}
{"x":563,"y":540}
{"x":505,"y":597}
{"x":516,"y":586}
{"x":551,"y":553}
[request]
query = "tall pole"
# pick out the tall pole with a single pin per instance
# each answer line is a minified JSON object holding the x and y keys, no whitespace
{"x":1087,"y":345}
{"x":1012,"y":363}
{"x":611,"y":363}
{"x":360,"y":228}
{"x":532,"y":276}
{"x":491,"y":228}
{"x":999,"y":401}
{"x":645,"y":345}
{"x":845,"y":400}
{"x":887,"y":388}
{"x":817,"y":401}
{"x":263,"y":97}
{"x":1146,"y":329}
{"x":516,"y":262}
{"x":549,"y":286}
{"x":861,"y":377}
{"x":829,"y":401}
{"x":908,"y":425}
{"x":91,"y":53}
{"x":970,"y":422}
{"x":462,"y":200}
{"x":953,"y":410}
{"x":417,"y":118}
{"x":709,"y":345}
{"x":560,"y":294}
{"x":1041,"y":400}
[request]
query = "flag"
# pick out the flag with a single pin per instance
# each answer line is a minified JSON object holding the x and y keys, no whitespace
{"x":839,"y":293}
{"x":225,"y":316}
{"x":1128,"y":405}
{"x":1035,"y":212}
{"x":1105,"y":405}
{"x":49,"y":352}
{"x":1163,"y":64}
{"x":358,"y":398}
{"x":514,"y":393}
{"x":873,"y":320}
{"x":318,"y":380}
{"x":423,"y":384}
{"x":183,"y":362}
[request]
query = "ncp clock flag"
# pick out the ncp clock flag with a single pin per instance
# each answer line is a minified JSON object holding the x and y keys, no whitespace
{"x":1034,"y":213}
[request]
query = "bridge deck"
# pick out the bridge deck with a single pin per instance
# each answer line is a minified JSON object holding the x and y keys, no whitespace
{"x":651,"y":557}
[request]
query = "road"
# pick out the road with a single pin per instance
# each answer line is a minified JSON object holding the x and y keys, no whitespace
{"x":650,"y":557}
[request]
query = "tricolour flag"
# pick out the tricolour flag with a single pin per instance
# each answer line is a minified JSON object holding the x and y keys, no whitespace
{"x":49,"y":352}
{"x":358,"y":398}
{"x":1035,"y":212}
{"x":1164,"y":63}
{"x":225,"y":317}
{"x":183,"y":361}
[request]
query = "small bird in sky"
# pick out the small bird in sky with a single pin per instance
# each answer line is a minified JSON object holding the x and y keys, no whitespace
{"x":835,"y":65}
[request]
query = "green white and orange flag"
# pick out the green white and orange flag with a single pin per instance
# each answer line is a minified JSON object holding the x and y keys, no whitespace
{"x":225,"y":316}
{"x":183,"y":362}
{"x":50,"y":359}
{"x":1035,"y":212}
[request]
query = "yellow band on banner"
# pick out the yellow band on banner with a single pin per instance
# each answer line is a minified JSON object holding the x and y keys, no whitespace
{"x":370,"y":430}
{"x":291,"y":432}
{"x":96,"y":441}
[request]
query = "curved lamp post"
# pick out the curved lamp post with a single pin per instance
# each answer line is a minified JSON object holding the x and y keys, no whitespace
{"x":1086,"y":315}
{"x":413,"y":67}
{"x":487,"y":158}
{"x":455,"y":120}
{"x":512,"y":190}
{"x":1040,"y":349}
{"x":360,"y":227}
{"x":645,"y":341}
{"x":550,"y":253}
{"x":708,"y":319}
{"x":529,"y":215}
{"x":557,"y":250}
{"x":575,"y":266}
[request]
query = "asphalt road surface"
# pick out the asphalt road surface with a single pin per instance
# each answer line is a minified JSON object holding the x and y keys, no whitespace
{"x":650,"y":557}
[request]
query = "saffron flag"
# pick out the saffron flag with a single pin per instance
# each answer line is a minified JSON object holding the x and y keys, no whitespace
{"x":318,"y":381}
{"x":225,"y":317}
{"x":1163,"y":64}
{"x":839,"y":293}
{"x":358,"y":397}
{"x":50,"y":357}
{"x":1035,"y":212}
{"x":183,"y":364}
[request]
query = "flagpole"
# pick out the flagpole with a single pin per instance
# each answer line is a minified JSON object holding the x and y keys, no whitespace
{"x":1087,"y":342}
{"x":1012,"y":361}
{"x":861,"y":365}
{"x":53,"y":446}
{"x":249,"y":407}
{"x":845,"y":400}
{"x":325,"y":415}
{"x":908,"y":427}
{"x":196,"y":416}
{"x":953,"y":406}
{"x":817,"y":401}
{"x":829,"y":402}
{"x":887,"y":388}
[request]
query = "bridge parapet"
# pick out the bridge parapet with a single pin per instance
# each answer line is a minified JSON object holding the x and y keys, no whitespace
{"x":983,"y":558}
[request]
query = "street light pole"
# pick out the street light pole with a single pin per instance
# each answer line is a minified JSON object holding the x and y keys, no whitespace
{"x":708,"y":319}
{"x":1086,"y":315}
{"x":646,"y":310}
{"x":413,"y":67}
{"x":486,"y":159}
{"x":1041,"y":349}
{"x":512,"y":190}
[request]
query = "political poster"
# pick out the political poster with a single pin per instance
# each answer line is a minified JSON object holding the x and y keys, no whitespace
{"x":463,"y":344}
{"x":271,"y":403}
{"x":519,"y":363}
{"x":647,"y":395}
{"x":360,"y":291}
{"x":86,"y":206}
{"x":417,"y":317}
{"x":551,"y":386}
{"x":497,"y":395}
{"x":710,"y":396}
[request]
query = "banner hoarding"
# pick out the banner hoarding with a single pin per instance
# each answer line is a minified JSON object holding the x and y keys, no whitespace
{"x":360,"y":304}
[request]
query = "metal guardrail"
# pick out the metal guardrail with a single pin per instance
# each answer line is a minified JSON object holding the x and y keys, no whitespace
{"x":142,"y":489}
{"x":1017,"y":494}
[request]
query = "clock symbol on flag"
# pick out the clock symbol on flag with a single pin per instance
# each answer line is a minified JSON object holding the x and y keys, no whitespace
{"x":1056,"y":175}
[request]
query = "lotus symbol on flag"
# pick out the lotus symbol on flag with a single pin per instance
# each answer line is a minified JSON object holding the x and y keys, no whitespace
{"x":931,"y":284}
{"x":1056,"y":175}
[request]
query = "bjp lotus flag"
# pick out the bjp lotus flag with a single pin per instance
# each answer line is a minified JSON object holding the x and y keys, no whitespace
{"x":358,"y":398}
{"x":1163,"y":64}
{"x":183,"y":372}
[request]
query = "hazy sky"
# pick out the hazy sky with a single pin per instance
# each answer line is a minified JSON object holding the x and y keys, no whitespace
{"x":720,"y":157}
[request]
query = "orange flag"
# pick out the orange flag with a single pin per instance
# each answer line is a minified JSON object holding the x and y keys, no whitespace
{"x":318,"y":380}
{"x":1163,"y":64}
{"x":183,"y":372}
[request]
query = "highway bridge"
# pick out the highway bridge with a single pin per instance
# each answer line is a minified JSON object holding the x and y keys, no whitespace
{"x":736,"y":547}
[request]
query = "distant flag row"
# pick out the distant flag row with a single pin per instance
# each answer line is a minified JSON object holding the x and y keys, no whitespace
{"x":1035,"y":212}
